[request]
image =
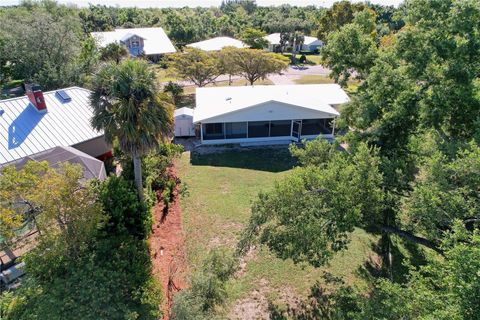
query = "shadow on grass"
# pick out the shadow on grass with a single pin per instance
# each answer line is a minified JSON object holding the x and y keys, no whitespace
{"x":262,"y":159}
{"x":403,"y":254}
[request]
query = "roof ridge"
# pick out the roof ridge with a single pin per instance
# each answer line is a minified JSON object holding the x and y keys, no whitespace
{"x":44,"y":92}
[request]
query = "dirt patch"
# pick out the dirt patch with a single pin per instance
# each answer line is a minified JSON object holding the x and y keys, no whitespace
{"x":254,"y":307}
{"x":167,"y":246}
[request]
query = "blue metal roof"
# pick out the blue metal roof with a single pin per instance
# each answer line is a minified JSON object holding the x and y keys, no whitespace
{"x":25,"y":131}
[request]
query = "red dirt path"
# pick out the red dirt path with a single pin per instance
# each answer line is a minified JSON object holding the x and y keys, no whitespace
{"x":167,"y":246}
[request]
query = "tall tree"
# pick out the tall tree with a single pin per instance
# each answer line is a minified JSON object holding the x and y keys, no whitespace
{"x":195,"y":65}
{"x":113,"y":52}
{"x":254,"y":38}
{"x":257,"y":64}
{"x":339,"y":14}
{"x":44,"y":41}
{"x":129,"y":109}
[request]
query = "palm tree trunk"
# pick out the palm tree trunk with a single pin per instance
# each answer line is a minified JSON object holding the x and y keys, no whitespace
{"x":137,"y":170}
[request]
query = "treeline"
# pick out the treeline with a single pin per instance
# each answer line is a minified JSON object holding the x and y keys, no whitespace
{"x":49,"y":43}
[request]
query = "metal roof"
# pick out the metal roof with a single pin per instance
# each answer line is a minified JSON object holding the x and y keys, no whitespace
{"x":155,"y":40}
{"x":25,"y":131}
{"x":274,"y":38}
{"x":216,"y":101}
{"x":92,"y":168}
{"x":218,"y":43}
{"x":183,"y":111}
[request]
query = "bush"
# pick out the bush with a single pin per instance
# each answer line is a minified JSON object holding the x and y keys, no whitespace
{"x":207,"y":288}
{"x":126,"y":214}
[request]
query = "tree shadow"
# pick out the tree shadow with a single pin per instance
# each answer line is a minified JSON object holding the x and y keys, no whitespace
{"x":403,"y":255}
{"x":271,"y":159}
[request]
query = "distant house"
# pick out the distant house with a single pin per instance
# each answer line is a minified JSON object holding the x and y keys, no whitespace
{"x":267,"y":113}
{"x":41,"y":121}
{"x":152,"y":42}
{"x":217,"y":44}
{"x":310,"y":44}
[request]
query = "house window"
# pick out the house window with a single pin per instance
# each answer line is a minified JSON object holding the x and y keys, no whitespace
{"x":235,"y":130}
{"x":280,"y":128}
{"x":213,"y":131}
{"x":258,"y":129}
{"x":135,"y":43}
{"x":312,"y":127}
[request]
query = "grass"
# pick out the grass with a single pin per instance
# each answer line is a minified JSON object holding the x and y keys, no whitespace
{"x":312,"y":59}
{"x":221,"y":189}
{"x":235,"y":83}
{"x":352,"y":85}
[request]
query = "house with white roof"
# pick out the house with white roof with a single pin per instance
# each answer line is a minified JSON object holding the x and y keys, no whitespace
{"x":41,"y":121}
{"x":153,"y":42}
{"x":267,"y":113}
{"x":217,"y":44}
{"x":309,"y":44}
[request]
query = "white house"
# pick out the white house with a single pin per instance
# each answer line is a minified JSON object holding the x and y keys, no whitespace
{"x":184,"y":122}
{"x":217,"y":44}
{"x":267,"y":113}
{"x":44,"y":120}
{"x":153,"y":42}
{"x":309,"y":44}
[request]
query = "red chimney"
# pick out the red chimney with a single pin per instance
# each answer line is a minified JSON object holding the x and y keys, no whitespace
{"x":35,"y":94}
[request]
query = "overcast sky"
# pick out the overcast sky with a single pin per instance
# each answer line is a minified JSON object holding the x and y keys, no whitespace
{"x":194,"y":3}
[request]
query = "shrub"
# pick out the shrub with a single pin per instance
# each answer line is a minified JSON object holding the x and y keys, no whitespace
{"x":126,"y":214}
{"x":207,"y":288}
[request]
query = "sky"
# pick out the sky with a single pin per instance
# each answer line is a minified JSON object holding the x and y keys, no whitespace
{"x":195,"y":3}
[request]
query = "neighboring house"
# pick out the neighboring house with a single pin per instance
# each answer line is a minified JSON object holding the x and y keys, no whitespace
{"x":310,"y":44}
{"x":217,"y":44}
{"x":267,"y":113}
{"x":184,"y":122}
{"x":42,"y":121}
{"x":153,"y":42}
{"x":92,"y":167}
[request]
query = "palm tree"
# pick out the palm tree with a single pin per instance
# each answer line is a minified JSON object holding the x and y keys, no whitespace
{"x":128,"y":108}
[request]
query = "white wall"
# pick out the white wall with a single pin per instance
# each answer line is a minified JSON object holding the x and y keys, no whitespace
{"x":272,"y":111}
{"x":184,"y":126}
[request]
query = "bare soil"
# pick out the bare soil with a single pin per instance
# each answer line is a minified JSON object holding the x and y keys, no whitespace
{"x":167,"y":246}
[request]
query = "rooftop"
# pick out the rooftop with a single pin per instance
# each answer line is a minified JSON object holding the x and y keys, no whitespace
{"x":216,"y":44}
{"x":24,"y":131}
{"x":155,"y":40}
{"x":183,"y":111}
{"x":92,"y":167}
{"x":274,"y":38}
{"x":216,"y":101}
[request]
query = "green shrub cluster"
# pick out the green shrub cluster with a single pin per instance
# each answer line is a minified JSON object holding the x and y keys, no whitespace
{"x":207,"y":288}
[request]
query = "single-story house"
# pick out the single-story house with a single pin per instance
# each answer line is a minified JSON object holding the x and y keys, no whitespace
{"x":217,"y":44}
{"x":153,"y":42}
{"x":41,"y":121}
{"x":184,"y":122}
{"x":267,"y":113}
{"x":92,"y":167}
{"x":309,"y":44}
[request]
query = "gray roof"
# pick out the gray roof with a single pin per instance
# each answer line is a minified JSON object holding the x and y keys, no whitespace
{"x":25,"y":131}
{"x":92,"y":168}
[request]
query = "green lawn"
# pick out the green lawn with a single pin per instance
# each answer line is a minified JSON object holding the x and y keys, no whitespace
{"x":221,"y":189}
{"x":312,"y":59}
{"x":320,"y":79}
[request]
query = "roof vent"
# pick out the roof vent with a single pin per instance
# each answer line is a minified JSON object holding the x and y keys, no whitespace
{"x":228,"y":99}
{"x":63,"y":96}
